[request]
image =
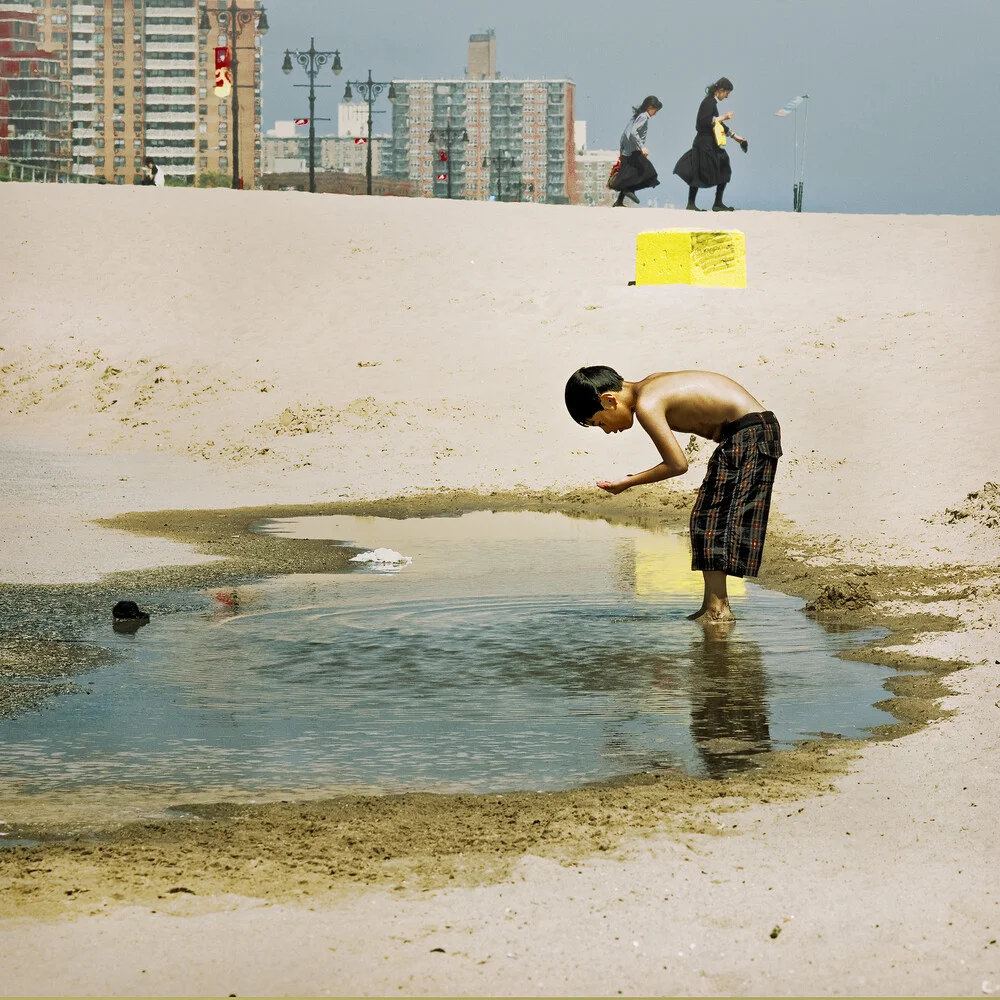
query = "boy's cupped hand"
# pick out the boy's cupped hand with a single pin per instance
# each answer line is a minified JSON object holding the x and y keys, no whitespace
{"x":610,"y":487}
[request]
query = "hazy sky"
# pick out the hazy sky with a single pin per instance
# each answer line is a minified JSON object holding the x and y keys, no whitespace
{"x":901,"y":91}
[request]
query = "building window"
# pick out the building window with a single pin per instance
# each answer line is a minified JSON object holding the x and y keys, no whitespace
{"x":120,"y":74}
{"x":98,"y":161}
{"x":202,"y":91}
{"x":223,"y":162}
{"x":223,"y":144}
{"x":203,"y":128}
{"x":137,"y":143}
{"x":138,"y":163}
{"x":203,"y":145}
{"x":203,"y":162}
{"x":99,"y":143}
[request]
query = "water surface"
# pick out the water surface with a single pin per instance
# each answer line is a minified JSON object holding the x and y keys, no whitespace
{"x":515,"y":650}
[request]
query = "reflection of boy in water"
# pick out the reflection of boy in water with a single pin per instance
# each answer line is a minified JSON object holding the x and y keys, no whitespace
{"x":729,"y":519}
{"x":728,"y":701}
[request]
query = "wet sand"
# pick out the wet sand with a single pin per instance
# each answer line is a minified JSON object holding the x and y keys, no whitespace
{"x":153,"y":429}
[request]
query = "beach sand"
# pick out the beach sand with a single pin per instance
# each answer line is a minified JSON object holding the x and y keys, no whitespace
{"x":264,"y":354}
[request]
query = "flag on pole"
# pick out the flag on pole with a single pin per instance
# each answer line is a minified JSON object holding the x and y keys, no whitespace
{"x":790,"y":106}
{"x":301,"y":121}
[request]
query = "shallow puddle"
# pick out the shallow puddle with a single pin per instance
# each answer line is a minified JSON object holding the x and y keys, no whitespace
{"x":513,"y":651}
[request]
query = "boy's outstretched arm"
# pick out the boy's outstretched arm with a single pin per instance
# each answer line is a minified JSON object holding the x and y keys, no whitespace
{"x":654,"y":423}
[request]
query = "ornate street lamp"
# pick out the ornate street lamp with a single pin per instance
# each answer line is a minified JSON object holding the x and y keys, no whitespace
{"x":232,"y":21}
{"x":499,"y":161}
{"x":446,"y":136}
{"x":312,"y":62}
{"x":369,"y":90}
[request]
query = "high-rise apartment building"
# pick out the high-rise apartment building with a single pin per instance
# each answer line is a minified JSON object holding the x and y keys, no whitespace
{"x":141,"y":80}
{"x":506,"y":139}
{"x":484,"y":136}
{"x":34,"y":96}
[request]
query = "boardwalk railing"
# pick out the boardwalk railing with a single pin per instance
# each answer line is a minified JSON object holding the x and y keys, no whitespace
{"x":12,"y":170}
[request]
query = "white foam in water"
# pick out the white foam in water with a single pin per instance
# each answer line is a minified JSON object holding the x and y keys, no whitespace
{"x":383,"y":559}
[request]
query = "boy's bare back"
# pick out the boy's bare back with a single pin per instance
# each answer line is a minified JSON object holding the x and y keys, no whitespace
{"x":693,"y":402}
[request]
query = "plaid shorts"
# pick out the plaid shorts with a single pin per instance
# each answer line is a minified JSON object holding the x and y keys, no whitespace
{"x":729,"y":519}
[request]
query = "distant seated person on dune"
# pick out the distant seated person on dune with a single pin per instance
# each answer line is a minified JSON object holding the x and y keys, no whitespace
{"x":729,"y":518}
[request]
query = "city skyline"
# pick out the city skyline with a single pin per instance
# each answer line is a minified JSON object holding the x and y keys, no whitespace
{"x":890,"y":86}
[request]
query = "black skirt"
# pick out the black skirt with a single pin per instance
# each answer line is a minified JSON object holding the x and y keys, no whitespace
{"x":635,"y":173}
{"x":705,"y":164}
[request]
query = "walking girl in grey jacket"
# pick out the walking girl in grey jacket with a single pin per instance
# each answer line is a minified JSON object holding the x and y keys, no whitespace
{"x":635,"y":171}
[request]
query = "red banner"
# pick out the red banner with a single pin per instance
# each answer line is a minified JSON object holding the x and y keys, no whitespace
{"x":223,"y":72}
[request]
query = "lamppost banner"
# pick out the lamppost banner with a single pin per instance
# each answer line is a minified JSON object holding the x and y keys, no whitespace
{"x":223,"y":72}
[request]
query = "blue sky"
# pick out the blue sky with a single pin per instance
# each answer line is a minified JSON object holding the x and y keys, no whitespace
{"x":901,"y":91}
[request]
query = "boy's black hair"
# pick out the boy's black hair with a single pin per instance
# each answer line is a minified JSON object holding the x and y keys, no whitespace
{"x":584,"y":388}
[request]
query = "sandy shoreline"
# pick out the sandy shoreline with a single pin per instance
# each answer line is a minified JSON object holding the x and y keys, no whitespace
{"x":311,"y":351}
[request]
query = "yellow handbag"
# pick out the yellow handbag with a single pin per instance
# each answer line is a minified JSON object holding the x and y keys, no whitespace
{"x":720,"y":133}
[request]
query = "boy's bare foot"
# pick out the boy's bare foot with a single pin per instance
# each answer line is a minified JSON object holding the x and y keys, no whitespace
{"x":712,"y":615}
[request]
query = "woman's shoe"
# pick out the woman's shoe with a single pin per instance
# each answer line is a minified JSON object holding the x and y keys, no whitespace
{"x":722,"y":208}
{"x":632,"y":196}
{"x":619,"y":201}
{"x":694,"y":208}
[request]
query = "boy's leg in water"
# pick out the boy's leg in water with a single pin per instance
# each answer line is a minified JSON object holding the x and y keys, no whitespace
{"x":715,"y":603}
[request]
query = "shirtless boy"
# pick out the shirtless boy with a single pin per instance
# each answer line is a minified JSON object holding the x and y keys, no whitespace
{"x":729,"y":519}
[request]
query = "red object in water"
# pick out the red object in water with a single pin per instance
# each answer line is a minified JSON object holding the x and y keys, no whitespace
{"x":226,"y":597}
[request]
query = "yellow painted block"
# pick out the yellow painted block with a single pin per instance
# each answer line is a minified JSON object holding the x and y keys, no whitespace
{"x":711,"y":258}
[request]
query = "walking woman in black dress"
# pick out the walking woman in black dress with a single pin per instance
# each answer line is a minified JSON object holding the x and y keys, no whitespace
{"x":635,"y":171}
{"x":706,"y":163}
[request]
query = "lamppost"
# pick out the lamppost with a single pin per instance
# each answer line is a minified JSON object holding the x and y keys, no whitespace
{"x":312,"y":62}
{"x":500,"y":160}
{"x":369,"y":90}
{"x":231,"y":21}
{"x":446,"y":135}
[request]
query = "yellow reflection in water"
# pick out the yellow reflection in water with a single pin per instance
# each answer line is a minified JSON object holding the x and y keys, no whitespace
{"x":663,"y":566}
